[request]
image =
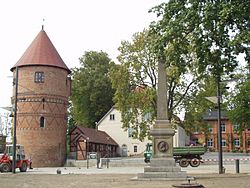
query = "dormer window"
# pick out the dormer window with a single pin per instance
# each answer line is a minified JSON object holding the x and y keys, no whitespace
{"x":39,"y":77}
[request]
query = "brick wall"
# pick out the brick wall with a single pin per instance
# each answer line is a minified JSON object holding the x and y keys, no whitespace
{"x":228,"y":136}
{"x":46,"y":145}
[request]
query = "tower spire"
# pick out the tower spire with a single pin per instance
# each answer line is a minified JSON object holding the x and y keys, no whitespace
{"x":43,"y":24}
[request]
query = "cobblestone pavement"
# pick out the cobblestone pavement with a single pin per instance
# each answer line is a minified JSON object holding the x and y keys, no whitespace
{"x":115,"y":180}
{"x":121,"y":177}
{"x":202,"y":169}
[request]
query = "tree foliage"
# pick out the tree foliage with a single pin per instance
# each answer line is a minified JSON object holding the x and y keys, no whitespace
{"x":239,"y":111}
{"x":92,"y":92}
{"x":216,"y":32}
{"x":196,"y":39}
{"x":197,"y":105}
{"x":135,"y":81}
{"x":212,"y":32}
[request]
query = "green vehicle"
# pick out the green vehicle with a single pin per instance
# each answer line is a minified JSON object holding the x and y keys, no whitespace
{"x":182,"y":155}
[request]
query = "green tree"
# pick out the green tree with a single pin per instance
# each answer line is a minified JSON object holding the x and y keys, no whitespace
{"x":92,"y":92}
{"x":135,"y":81}
{"x":216,"y":31}
{"x":197,"y":105}
{"x":71,"y":121}
{"x":212,"y":32}
{"x":239,"y":112}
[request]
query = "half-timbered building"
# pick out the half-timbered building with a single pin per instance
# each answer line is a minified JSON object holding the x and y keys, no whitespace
{"x":84,"y":141}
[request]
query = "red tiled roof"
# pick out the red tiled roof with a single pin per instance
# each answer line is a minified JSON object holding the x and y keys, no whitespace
{"x":97,"y":136}
{"x":41,"y":52}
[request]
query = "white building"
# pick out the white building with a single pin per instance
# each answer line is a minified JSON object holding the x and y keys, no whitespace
{"x":128,"y":146}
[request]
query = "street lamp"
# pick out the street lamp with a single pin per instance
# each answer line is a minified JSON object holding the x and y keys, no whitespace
{"x":221,"y":171}
{"x":15,"y":122}
{"x":217,"y":100}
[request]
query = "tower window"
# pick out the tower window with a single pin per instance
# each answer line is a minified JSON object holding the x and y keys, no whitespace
{"x":42,"y":122}
{"x":39,"y":77}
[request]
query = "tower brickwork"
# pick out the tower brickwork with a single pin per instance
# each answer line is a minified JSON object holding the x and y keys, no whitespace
{"x":42,"y":101}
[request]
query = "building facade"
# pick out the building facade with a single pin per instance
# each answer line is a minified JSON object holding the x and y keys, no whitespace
{"x":111,"y":123}
{"x":233,"y":140}
{"x":42,"y":98}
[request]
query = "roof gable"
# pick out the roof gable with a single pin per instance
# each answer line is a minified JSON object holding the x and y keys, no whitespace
{"x":41,"y":52}
{"x":111,"y":109}
{"x":95,"y":135}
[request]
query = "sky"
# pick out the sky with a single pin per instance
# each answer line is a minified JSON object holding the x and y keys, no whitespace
{"x":73,"y":27}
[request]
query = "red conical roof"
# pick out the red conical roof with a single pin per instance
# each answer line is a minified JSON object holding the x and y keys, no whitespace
{"x":41,"y":52}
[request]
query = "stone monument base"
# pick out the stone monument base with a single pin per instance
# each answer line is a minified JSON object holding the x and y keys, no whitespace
{"x":162,"y":169}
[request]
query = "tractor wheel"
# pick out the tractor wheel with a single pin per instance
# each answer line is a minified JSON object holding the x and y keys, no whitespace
{"x":5,"y":167}
{"x":195,"y":162}
{"x":184,"y":162}
{"x":23,"y":167}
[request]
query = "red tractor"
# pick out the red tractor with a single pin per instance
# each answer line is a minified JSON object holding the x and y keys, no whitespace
{"x":6,"y":159}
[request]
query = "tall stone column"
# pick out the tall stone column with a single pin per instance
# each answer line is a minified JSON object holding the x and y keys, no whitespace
{"x":162,"y":165}
{"x":162,"y":131}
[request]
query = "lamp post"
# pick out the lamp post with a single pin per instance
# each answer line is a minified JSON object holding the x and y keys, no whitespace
{"x":15,"y":122}
{"x":219,"y":127}
{"x":217,"y":100}
{"x":87,"y":149}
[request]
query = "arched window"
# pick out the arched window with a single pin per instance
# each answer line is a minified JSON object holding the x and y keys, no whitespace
{"x":42,"y":122}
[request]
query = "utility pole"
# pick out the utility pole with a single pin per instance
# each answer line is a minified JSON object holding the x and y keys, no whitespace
{"x":15,"y":123}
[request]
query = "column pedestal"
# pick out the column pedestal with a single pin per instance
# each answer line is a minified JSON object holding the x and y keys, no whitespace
{"x":162,"y":164}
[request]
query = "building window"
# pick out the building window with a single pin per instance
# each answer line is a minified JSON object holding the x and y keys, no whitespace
{"x":237,"y":142}
{"x":236,"y":127}
{"x":210,"y":142}
{"x":223,"y":127}
{"x":223,"y":143}
{"x":249,"y":142}
{"x":42,"y":122}
{"x":135,"y":149}
{"x":112,"y":117}
{"x":248,"y":129}
{"x":39,"y":77}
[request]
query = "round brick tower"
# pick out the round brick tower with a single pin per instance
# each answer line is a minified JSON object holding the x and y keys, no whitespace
{"x":42,"y":100}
